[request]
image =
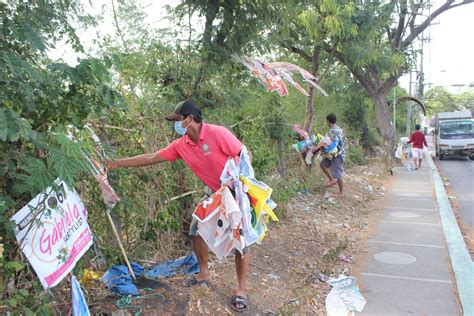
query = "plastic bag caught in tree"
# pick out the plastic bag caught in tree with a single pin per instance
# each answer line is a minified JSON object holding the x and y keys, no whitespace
{"x":99,"y":172}
{"x":271,"y":75}
{"x":108,"y":193}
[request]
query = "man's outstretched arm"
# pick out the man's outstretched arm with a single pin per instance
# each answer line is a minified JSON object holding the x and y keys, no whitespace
{"x":136,"y":161}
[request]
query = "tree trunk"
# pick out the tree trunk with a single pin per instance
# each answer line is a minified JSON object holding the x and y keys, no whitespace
{"x":365,"y":140}
{"x":308,"y":122}
{"x":212,"y":10}
{"x":281,"y":159}
{"x":383,"y":116}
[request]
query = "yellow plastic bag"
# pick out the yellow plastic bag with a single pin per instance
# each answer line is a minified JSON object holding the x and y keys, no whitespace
{"x":259,"y":193}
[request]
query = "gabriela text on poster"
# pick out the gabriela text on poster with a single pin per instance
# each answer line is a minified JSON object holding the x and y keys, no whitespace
{"x":53,"y":233}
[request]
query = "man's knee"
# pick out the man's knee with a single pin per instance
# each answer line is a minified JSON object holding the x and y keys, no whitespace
{"x":193,"y":228}
{"x":325,"y":163}
{"x":242,"y":255}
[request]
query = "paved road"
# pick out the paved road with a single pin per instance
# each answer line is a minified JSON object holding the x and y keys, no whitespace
{"x":407,"y":269}
{"x":460,"y":172}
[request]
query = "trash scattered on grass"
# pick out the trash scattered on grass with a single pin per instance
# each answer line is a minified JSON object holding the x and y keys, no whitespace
{"x":79,"y":303}
{"x":322,"y":277}
{"x":90,"y":275}
{"x":344,"y":297}
{"x":118,"y":279}
{"x":273,"y":276}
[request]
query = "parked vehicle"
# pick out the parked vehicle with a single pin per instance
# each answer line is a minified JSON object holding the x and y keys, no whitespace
{"x":454,"y":134}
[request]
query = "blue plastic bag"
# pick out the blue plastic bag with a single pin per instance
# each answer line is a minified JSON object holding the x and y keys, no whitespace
{"x":79,"y":304}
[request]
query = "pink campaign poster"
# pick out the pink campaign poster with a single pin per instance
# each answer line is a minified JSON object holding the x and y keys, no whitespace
{"x":53,"y":233}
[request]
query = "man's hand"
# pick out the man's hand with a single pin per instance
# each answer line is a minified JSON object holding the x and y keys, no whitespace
{"x":315,"y":149}
{"x":111,"y":165}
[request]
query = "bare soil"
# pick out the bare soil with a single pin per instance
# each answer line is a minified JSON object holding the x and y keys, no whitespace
{"x":317,"y":235}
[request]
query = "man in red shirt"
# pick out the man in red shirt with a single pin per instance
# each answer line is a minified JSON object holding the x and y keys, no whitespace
{"x":205,"y":148}
{"x":418,"y":139}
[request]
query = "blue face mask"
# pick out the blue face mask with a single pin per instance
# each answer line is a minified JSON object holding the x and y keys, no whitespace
{"x":178,"y":127}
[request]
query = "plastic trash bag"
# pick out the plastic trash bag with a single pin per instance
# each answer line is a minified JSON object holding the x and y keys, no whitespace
{"x":79,"y":304}
{"x":344,"y":297}
{"x":399,"y":151}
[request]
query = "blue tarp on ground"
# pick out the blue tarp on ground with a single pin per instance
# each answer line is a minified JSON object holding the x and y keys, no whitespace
{"x":183,"y":265}
{"x":119,"y":282}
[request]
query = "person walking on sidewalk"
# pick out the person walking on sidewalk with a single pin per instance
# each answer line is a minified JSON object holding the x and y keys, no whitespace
{"x":334,"y":168}
{"x":205,"y":148}
{"x":418,"y":139}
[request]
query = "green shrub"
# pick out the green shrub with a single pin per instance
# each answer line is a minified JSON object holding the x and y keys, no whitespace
{"x":356,"y":154}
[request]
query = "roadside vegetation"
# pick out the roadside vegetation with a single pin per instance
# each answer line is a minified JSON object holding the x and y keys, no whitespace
{"x":123,"y":84}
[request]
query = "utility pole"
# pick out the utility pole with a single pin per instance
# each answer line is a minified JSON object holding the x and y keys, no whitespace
{"x":409,"y":107}
{"x":421,"y":74}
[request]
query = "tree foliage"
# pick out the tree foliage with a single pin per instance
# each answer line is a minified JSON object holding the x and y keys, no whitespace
{"x":379,"y":53}
{"x":39,"y":98}
{"x":439,"y":99}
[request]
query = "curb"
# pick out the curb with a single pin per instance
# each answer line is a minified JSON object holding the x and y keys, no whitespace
{"x":461,"y":261}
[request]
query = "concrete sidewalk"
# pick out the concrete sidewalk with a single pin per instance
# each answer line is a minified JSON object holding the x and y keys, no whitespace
{"x":408,"y":269}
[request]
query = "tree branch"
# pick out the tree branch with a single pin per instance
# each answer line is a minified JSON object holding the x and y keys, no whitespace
{"x":315,"y":61}
{"x":389,"y":82}
{"x":372,"y":69}
{"x":360,"y":76}
{"x":298,"y":51}
{"x":211,"y":13}
{"x":119,"y":31}
{"x":401,"y":24}
{"x":417,"y":30}
{"x":227,"y":23}
{"x":330,"y":62}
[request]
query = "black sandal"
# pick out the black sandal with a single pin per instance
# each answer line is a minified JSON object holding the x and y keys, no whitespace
{"x":237,"y":299}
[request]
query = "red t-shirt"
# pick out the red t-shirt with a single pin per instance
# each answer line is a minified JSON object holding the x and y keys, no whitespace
{"x":208,"y":157}
{"x":418,"y":139}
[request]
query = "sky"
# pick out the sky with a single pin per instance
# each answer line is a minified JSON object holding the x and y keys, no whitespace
{"x":448,"y":55}
{"x":105,"y":27}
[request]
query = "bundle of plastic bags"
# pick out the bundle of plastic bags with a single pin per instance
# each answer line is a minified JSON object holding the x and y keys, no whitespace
{"x":229,"y":221}
{"x":404,"y":152}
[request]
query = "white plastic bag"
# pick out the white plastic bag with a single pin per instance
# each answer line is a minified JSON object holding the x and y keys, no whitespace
{"x":399,"y":151}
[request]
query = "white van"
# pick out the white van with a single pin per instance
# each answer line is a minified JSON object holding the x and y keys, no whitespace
{"x":454,"y":134}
